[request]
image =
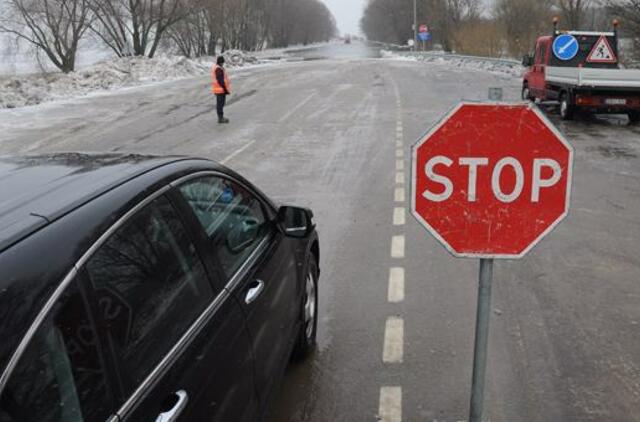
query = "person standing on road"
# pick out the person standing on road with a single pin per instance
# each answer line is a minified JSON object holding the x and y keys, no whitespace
{"x":221,"y":86}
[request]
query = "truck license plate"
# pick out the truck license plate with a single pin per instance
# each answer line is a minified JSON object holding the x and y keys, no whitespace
{"x":615,"y":101}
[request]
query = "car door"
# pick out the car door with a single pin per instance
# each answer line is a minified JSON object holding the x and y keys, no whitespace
{"x":180,"y":343}
{"x":64,"y":374}
{"x":258,"y":264}
{"x":538,"y":84}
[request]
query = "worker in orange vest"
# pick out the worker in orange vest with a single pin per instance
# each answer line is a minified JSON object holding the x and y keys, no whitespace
{"x":221,"y":86}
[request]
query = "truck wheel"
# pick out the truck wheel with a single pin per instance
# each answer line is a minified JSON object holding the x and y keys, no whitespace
{"x":526,"y":93}
{"x":634,"y":117}
{"x":566,"y":108}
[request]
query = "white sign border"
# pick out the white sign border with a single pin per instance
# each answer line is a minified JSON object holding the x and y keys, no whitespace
{"x":429,"y":133}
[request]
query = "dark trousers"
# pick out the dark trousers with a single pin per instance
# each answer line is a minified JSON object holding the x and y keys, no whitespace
{"x":221,"y":100}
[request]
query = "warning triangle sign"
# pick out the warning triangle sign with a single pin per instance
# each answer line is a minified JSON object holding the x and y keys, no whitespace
{"x":602,"y":52}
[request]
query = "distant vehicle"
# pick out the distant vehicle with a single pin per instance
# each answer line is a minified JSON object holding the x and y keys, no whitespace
{"x":347,"y":39}
{"x":581,"y":71}
{"x":147,"y":289}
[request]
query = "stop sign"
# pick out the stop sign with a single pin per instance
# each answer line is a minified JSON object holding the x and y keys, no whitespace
{"x":491,"y":180}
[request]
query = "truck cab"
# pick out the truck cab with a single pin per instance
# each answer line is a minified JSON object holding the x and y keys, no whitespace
{"x":581,"y":71}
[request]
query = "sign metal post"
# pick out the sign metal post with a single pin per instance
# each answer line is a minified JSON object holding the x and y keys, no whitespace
{"x":483,"y":314}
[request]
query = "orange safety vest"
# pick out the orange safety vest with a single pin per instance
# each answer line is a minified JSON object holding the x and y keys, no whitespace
{"x":216,"y":88}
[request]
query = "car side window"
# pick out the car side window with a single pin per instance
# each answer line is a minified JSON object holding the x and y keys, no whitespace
{"x":150,"y":286}
{"x":61,"y":376}
{"x":232,"y":217}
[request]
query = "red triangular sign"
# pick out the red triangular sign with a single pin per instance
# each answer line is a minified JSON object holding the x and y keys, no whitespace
{"x":602,"y":52}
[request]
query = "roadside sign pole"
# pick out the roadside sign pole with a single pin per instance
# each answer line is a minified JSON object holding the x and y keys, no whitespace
{"x":483,"y":314}
{"x":415,"y":25}
{"x":463,"y":217}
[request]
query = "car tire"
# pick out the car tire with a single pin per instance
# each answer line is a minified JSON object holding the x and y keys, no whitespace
{"x":306,"y":337}
{"x":634,"y":117}
{"x":526,"y":93}
{"x":566,"y":108}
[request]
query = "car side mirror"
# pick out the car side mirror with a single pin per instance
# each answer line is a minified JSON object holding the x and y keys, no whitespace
{"x":242,"y":235}
{"x":527,"y":60}
{"x":295,"y":222}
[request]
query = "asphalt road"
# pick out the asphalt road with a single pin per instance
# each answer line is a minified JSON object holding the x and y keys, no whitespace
{"x":564,"y":342}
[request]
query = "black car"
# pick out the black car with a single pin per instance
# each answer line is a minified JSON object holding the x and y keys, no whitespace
{"x":138,"y":288}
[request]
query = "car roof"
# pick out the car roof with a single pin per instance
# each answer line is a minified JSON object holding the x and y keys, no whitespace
{"x":38,"y":189}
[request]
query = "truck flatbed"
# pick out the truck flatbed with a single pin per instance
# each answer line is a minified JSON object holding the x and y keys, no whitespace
{"x":587,"y":77}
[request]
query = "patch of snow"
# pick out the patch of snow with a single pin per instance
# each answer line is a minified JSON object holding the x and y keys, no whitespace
{"x":25,"y":90}
{"x":497,"y":66}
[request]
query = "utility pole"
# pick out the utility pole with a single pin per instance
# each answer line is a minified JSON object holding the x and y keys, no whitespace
{"x":415,"y":25}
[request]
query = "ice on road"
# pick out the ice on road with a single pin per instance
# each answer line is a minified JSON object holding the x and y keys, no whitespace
{"x":334,"y":134}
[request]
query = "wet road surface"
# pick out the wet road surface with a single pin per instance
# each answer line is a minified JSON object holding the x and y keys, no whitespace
{"x":334,"y":135}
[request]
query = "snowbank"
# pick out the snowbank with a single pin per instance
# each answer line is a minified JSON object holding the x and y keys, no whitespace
{"x":498,"y":66}
{"x":24,"y":90}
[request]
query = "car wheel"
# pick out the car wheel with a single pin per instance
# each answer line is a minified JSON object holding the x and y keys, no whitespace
{"x":306,"y":341}
{"x":526,"y":93}
{"x":634,"y":117}
{"x":566,"y":108}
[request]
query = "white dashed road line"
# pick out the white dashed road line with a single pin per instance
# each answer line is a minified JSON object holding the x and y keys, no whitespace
{"x":390,"y":404}
{"x":236,"y":152}
{"x":296,"y":108}
{"x":396,"y":285}
{"x":399,"y":195}
{"x":399,"y":216}
{"x":397,"y":246}
{"x":393,"y":350}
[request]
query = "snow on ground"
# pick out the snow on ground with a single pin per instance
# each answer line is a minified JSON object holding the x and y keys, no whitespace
{"x":496,"y":66}
{"x":31,"y":89}
{"x":20,"y":86}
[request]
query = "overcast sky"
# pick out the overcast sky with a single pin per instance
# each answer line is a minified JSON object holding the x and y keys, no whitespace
{"x":349,"y":12}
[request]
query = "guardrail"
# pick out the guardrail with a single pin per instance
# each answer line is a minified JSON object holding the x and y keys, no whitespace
{"x":390,"y":47}
{"x":509,"y":66}
{"x":435,"y":54}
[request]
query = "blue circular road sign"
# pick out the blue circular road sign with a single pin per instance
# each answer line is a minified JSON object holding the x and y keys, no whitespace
{"x":565,"y":47}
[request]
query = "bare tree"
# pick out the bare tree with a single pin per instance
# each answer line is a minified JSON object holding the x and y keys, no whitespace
{"x":392,"y":20}
{"x":54,"y":27}
{"x":479,"y":37}
{"x":574,"y":11}
{"x":388,"y":21}
{"x":629,"y":12}
{"x":523,"y":21}
{"x":135,"y":27}
{"x":191,"y":34}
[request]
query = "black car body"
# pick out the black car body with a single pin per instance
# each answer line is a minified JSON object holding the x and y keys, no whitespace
{"x":140,"y":288}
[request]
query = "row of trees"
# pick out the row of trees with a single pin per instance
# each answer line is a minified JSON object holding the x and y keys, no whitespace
{"x":510,"y":27}
{"x":139,"y":27}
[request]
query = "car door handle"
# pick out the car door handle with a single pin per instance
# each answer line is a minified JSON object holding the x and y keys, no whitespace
{"x":254,"y":291}
{"x":173,"y":414}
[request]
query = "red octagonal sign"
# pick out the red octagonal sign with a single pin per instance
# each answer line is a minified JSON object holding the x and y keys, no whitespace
{"x":491,"y":180}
